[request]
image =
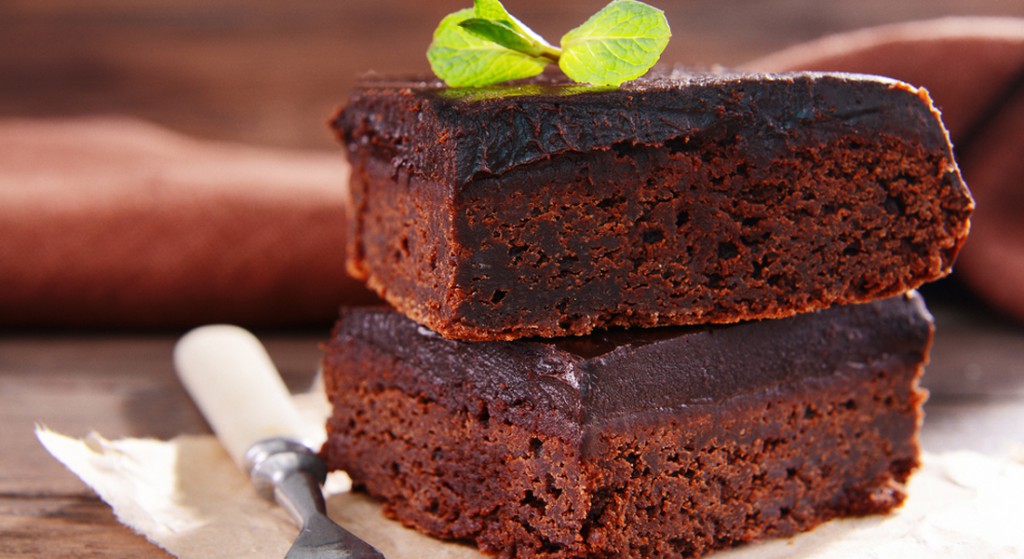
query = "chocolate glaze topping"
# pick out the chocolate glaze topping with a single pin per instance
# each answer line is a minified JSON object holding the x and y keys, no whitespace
{"x":767,"y":114}
{"x":568,"y":385}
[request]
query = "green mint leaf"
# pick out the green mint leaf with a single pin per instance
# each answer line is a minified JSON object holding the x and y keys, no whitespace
{"x":494,"y":10}
{"x":490,"y":9}
{"x":462,"y":59}
{"x":502,"y":33}
{"x":484,"y":45}
{"x":619,"y":43}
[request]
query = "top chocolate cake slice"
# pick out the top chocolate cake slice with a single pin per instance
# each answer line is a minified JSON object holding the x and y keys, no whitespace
{"x":549,"y":209}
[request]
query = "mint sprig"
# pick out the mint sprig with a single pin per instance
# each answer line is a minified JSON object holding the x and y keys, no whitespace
{"x":487,"y":45}
{"x":462,"y":59}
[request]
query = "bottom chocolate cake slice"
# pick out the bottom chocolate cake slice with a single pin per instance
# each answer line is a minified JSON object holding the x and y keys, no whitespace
{"x":644,"y":443}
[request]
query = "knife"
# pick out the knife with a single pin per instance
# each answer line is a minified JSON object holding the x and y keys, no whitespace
{"x":234,"y":383}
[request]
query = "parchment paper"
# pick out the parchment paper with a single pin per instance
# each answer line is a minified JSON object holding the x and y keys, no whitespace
{"x":186,"y":496}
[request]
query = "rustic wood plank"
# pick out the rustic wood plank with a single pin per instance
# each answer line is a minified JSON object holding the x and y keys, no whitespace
{"x":67,"y":528}
{"x":120,"y":386}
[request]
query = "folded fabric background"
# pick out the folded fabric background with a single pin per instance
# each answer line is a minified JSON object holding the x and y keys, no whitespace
{"x":114,"y":222}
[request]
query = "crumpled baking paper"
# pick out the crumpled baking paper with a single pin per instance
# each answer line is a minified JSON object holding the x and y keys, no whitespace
{"x":187,"y":496}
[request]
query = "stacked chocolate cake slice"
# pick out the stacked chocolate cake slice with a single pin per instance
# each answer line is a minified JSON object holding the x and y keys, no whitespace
{"x":650,"y":321}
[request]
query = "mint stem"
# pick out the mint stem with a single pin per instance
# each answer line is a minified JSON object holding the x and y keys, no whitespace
{"x":550,"y":53}
{"x":503,"y":33}
{"x":539,"y":50}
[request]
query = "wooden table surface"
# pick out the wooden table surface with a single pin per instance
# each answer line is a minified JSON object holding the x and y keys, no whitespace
{"x":265,"y":72}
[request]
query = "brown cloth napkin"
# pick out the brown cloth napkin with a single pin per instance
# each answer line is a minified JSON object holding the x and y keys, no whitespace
{"x":112,"y":222}
{"x":974,"y":70}
{"x":116,"y":223}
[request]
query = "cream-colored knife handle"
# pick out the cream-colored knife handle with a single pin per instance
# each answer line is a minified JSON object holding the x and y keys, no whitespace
{"x":231,"y":378}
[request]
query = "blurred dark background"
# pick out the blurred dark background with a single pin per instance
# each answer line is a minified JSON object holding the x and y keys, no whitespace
{"x":270,"y":72}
